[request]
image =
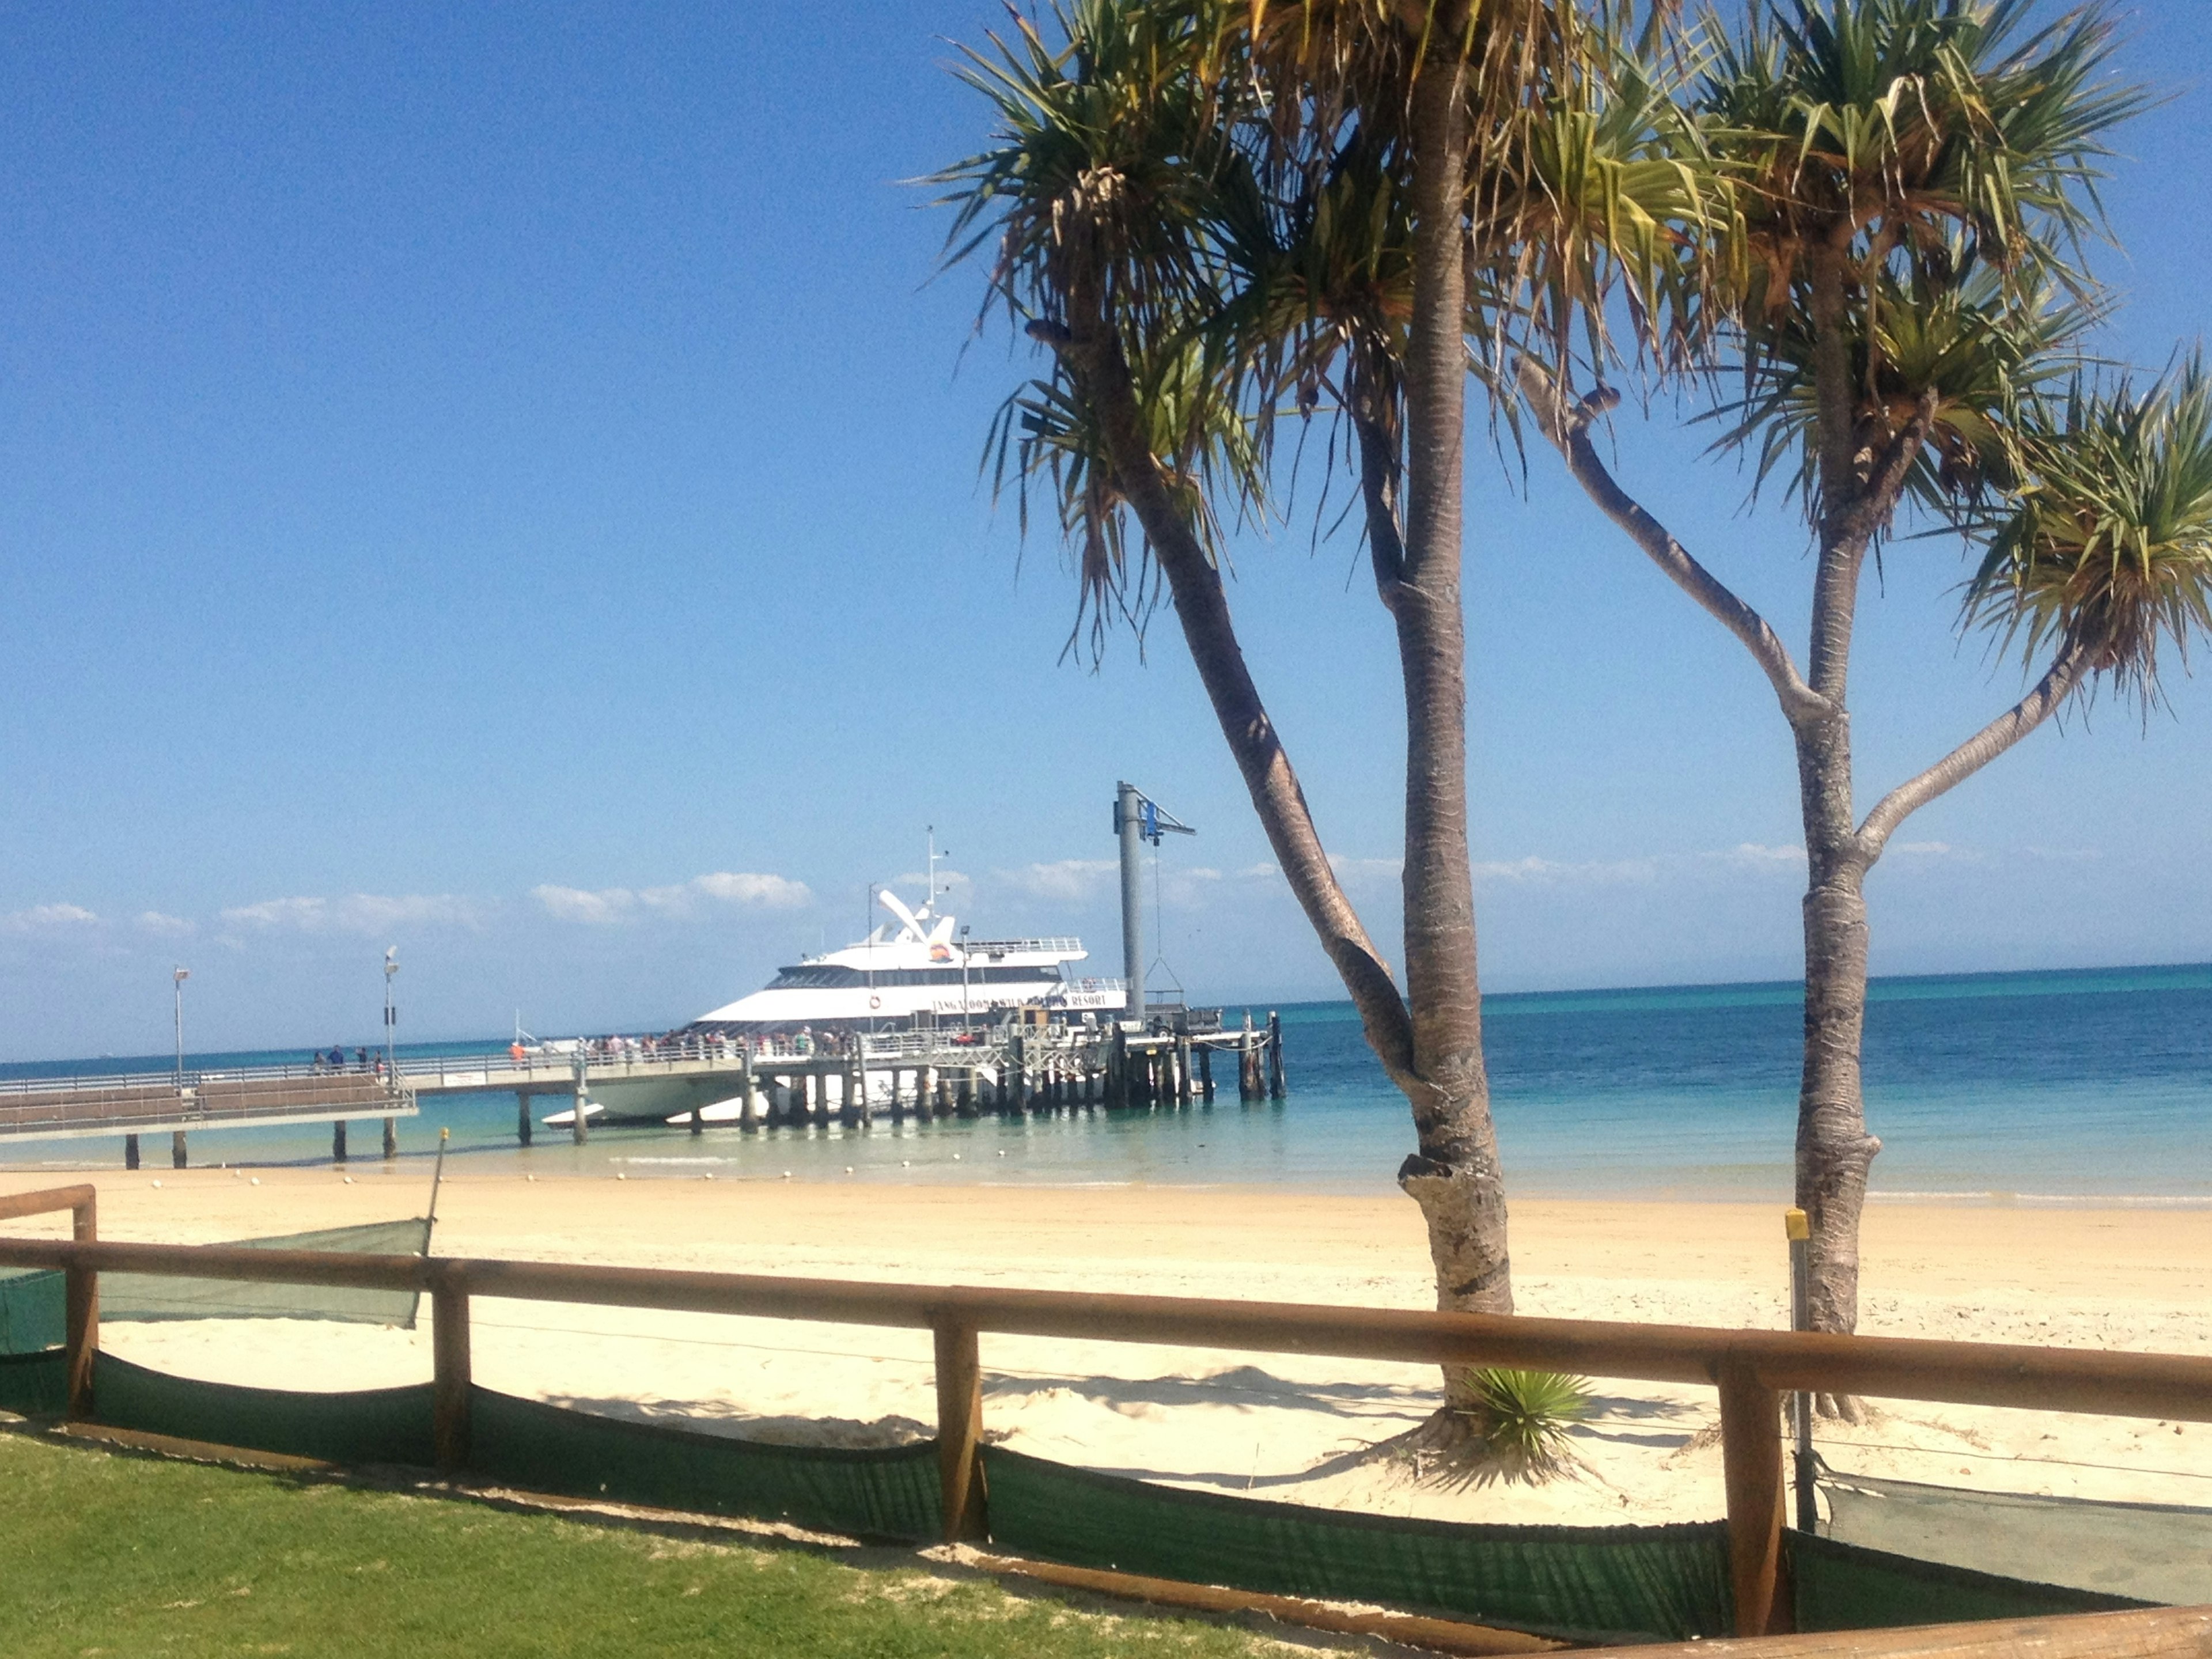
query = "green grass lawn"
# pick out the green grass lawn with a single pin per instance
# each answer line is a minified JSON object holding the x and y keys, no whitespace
{"x":108,"y":1554}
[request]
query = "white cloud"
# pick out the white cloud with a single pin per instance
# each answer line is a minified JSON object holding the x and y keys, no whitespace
{"x":48,"y":919}
{"x":1069,"y":879}
{"x":1921,"y":849}
{"x":608,"y":906}
{"x":1262,"y":870}
{"x":748,"y":887}
{"x":367,"y":914}
{"x":153,"y":921}
{"x":1751,"y":856}
{"x":1551,"y":873}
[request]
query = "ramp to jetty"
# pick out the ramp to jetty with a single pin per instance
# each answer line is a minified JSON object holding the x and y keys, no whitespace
{"x":55,"y":1108}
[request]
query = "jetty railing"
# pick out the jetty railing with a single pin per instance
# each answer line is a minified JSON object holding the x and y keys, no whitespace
{"x":1751,"y":1369}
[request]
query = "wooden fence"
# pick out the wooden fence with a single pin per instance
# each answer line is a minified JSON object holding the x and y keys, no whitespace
{"x":1751,"y":1369}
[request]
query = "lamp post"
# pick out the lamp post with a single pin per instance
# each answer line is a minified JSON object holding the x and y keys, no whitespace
{"x":390,"y":1056}
{"x":390,"y":1017}
{"x":965,"y":1017}
{"x":180,"y":976}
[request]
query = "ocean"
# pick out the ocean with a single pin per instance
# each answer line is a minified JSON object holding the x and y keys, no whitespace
{"x":2077,"y":1087}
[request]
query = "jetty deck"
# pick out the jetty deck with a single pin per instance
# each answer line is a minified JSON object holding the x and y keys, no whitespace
{"x":54,"y":1109}
{"x":943,"y":1072}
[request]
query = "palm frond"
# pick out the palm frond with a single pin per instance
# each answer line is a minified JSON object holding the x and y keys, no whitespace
{"x":2107,"y":544}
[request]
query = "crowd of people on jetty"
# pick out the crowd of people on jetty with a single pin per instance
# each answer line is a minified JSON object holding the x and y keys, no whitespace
{"x":709,"y":1045}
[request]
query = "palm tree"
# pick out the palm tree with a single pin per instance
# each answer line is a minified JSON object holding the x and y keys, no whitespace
{"x":1912,"y":177}
{"x":1213,"y":213}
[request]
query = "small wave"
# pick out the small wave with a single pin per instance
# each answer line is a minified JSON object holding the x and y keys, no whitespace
{"x":672,"y":1160}
{"x":2055,"y":1200}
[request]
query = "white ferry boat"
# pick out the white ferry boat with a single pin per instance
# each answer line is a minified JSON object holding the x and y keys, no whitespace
{"x":919,"y":968}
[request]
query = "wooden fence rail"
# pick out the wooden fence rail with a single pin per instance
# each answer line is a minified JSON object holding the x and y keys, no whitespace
{"x":1752,"y":1369}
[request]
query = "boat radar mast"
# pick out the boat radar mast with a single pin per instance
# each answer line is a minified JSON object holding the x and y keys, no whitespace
{"x":1138,"y":818}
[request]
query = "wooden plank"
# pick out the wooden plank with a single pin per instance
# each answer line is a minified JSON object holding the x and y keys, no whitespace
{"x":47,"y":1201}
{"x":2150,"y":1633}
{"x":1435,"y":1635}
{"x":80,"y":1311}
{"x":197,"y":1451}
{"x":1750,"y":1466}
{"x":2173,"y":1386}
{"x":960,"y":1429}
{"x":451,"y":1377}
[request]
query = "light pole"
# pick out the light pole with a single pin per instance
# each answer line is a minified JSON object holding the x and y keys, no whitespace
{"x":181,"y":976}
{"x":390,"y":1017}
{"x":966,"y":1018}
{"x":391,"y":1056}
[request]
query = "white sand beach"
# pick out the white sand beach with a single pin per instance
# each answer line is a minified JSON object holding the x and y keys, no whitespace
{"x":1275,"y":1425}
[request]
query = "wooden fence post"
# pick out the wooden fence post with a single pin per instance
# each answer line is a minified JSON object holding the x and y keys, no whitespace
{"x":451,"y":1381}
{"x":960,"y":1429}
{"x":1751,"y":1466}
{"x":81,"y":1315}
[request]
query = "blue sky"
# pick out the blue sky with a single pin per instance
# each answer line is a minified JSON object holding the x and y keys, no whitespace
{"x":503,"y":481}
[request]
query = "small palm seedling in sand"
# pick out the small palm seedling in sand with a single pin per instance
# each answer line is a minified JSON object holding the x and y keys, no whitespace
{"x":1516,"y":1428}
{"x":1524,"y":1417}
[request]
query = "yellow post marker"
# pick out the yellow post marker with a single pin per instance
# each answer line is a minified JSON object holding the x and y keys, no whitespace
{"x":1797,"y":1228}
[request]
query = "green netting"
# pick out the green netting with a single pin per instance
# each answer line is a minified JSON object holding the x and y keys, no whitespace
{"x":150,"y":1296}
{"x":890,"y":1492}
{"x":34,"y":1384}
{"x":368,"y":1425}
{"x":30,"y":1303}
{"x":34,"y":1311}
{"x":1583,"y":1584}
{"x":2159,"y":1552}
{"x":1848,"y":1587}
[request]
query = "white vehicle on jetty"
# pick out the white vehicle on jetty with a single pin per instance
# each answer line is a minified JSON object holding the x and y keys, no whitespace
{"x":919,"y":969}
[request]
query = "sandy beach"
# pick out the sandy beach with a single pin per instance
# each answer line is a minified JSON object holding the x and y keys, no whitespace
{"x":1274,"y":1425}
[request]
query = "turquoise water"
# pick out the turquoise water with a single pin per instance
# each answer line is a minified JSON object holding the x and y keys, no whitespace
{"x":2030,"y":1088}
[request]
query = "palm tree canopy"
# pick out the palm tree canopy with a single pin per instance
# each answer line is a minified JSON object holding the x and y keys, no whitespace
{"x":1253,"y":262}
{"x":2107,"y":545}
{"x":1899,"y":125}
{"x":1969,"y":350}
{"x":1110,"y":162}
{"x":1921,"y":174}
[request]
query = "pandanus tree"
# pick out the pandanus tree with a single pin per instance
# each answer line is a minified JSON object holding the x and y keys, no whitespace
{"x":1898,"y":299}
{"x":1209,"y":213}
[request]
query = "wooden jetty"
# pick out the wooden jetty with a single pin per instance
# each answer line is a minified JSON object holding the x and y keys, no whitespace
{"x":693,"y":1081}
{"x":1007,"y":1069}
{"x":60,"y":1109}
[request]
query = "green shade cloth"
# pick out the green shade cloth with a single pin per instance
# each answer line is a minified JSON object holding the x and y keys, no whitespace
{"x":152,"y":1296}
{"x":32,"y":1306}
{"x":1583,"y":1584}
{"x":368,"y":1425}
{"x":34,"y":1384}
{"x":2158,"y":1552}
{"x":890,"y":1492}
{"x":33,"y":1311}
{"x":1846,"y":1587}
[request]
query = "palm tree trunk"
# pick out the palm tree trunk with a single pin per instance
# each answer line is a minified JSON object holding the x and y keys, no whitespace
{"x":1833,"y":1147}
{"x":1455,"y":1175}
{"x":1096,"y":357}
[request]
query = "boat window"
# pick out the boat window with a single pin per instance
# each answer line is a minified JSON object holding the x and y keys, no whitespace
{"x":812,"y":977}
